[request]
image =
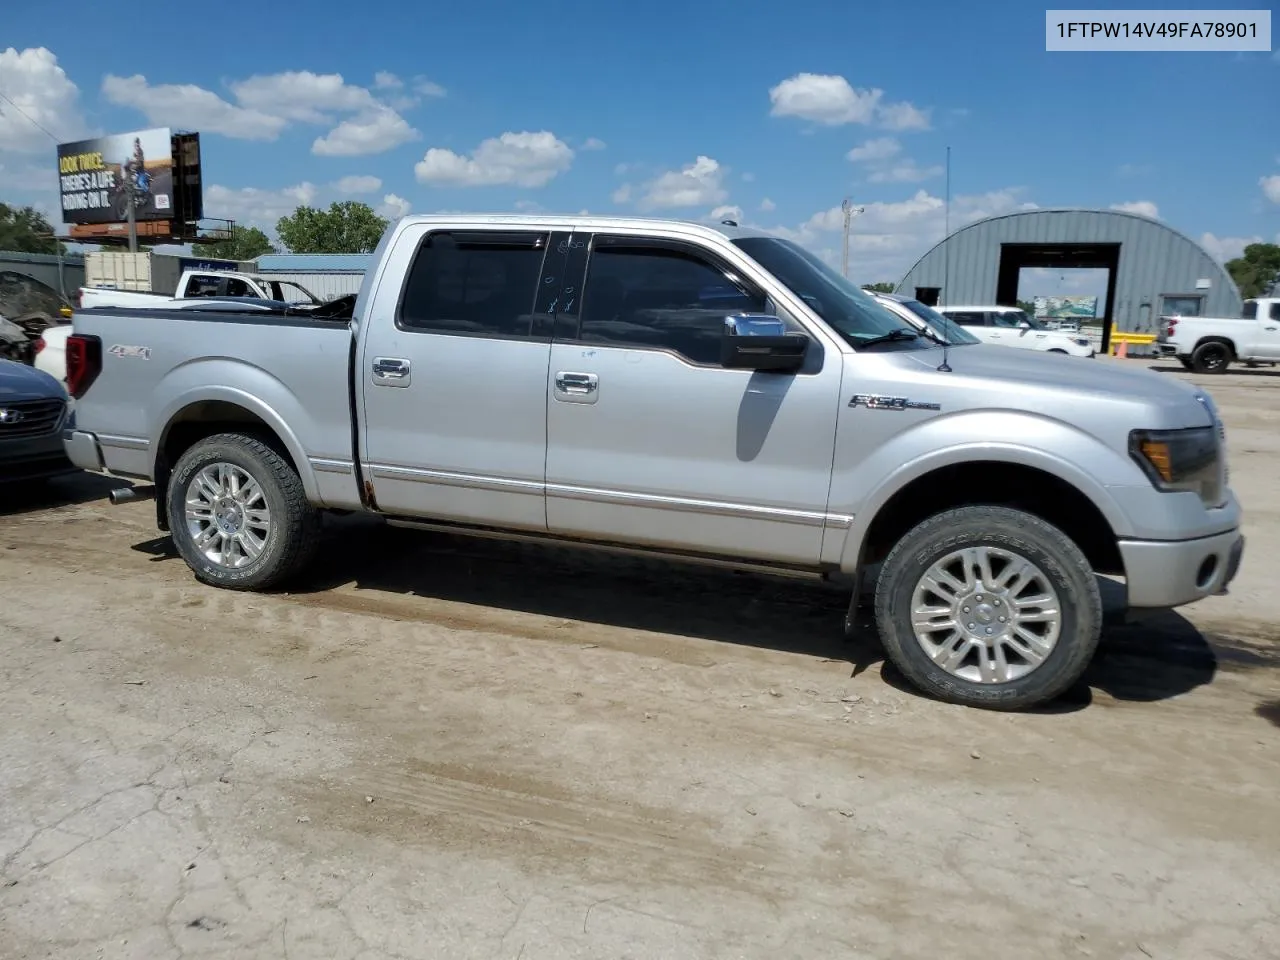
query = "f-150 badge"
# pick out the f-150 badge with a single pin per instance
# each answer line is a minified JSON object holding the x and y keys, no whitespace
{"x":872,"y":402}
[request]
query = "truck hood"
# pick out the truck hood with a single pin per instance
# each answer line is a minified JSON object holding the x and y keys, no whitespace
{"x":1059,"y":385}
{"x":20,"y":382}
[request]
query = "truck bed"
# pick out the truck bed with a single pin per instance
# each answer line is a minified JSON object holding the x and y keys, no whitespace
{"x":162,"y":364}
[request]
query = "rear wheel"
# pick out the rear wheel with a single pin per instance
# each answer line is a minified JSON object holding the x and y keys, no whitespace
{"x":988,"y":606}
{"x":1213,"y":356}
{"x":238,"y":513}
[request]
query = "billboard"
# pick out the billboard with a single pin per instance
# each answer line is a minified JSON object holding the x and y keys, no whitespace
{"x":93,"y":177}
{"x":1067,"y":308}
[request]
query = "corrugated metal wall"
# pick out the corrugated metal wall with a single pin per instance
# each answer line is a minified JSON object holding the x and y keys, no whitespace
{"x":1154,"y":260}
{"x":326,"y":286}
{"x":44,"y":267}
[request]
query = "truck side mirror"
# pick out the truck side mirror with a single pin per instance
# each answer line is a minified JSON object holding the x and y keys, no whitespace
{"x":756,"y":341}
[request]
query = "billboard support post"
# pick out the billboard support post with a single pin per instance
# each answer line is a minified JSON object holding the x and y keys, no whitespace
{"x":133,"y":222}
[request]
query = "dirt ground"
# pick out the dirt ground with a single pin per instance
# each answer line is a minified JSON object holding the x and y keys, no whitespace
{"x":456,"y":749}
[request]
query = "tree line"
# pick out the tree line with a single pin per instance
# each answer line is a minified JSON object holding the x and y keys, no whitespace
{"x":353,"y":227}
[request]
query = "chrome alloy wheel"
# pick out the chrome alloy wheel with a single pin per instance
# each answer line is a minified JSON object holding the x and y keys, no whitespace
{"x":227,"y":515}
{"x":986,"y":615}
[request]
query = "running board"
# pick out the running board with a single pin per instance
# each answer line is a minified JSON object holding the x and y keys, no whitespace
{"x":648,"y":553}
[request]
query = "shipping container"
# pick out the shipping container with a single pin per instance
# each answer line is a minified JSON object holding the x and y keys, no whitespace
{"x":118,"y":270}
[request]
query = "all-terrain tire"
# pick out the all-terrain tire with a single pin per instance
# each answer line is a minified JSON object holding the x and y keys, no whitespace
{"x":294,"y":530}
{"x":1018,"y":533}
{"x":1212,"y":356}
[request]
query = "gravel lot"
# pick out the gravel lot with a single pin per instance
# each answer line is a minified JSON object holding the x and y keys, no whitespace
{"x":460,"y":749}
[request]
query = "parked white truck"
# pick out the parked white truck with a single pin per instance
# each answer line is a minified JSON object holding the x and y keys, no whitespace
{"x":200,"y":283}
{"x":1212,"y":344}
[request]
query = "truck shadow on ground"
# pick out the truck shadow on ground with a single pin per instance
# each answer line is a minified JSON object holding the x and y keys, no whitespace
{"x":29,"y":496}
{"x":1235,"y":368}
{"x":1155,"y":660}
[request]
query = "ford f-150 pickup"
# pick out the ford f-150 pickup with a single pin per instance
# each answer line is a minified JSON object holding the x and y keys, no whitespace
{"x":1211,"y":344}
{"x":711,"y":393}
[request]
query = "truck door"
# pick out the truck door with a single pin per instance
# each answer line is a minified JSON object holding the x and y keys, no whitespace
{"x":453,"y":372}
{"x":1268,"y":336}
{"x":650,"y":440}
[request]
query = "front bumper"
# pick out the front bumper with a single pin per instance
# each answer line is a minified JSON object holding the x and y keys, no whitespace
{"x":1163,"y":574}
{"x":33,"y":458}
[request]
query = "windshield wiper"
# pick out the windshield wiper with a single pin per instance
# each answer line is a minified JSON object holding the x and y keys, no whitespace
{"x":902,"y":333}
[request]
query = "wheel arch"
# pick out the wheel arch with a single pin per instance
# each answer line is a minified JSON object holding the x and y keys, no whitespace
{"x":196,"y":416}
{"x":1045,"y":486}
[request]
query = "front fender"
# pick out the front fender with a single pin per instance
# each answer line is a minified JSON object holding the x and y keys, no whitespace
{"x":1042,"y":443}
{"x":255,"y":391}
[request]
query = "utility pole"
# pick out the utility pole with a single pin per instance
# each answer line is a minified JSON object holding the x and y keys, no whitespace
{"x":850,"y":211}
{"x":133,"y":217}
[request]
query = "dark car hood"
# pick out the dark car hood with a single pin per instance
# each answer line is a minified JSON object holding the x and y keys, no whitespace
{"x":20,"y":382}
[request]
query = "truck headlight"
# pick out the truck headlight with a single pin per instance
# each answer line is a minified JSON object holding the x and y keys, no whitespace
{"x":1187,"y":460}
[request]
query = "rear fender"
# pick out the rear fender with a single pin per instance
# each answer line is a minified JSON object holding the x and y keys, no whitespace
{"x":267,"y":399}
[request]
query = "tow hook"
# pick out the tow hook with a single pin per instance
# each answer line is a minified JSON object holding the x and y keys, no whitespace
{"x":127,"y":494}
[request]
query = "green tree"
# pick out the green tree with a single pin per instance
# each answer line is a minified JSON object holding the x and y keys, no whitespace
{"x":25,"y":230}
{"x":1257,"y":271}
{"x":879,"y":287}
{"x":1028,"y":307}
{"x":245,"y":243}
{"x":347,"y":227}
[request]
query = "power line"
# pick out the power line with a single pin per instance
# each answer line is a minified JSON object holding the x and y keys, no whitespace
{"x":8,"y":100}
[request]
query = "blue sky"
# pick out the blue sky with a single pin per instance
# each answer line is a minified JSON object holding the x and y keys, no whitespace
{"x":771,"y":111}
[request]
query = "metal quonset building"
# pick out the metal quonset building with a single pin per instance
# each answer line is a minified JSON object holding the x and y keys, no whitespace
{"x":327,"y":275}
{"x":1152,"y":268}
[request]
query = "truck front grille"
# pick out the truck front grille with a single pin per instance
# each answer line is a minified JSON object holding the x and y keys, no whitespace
{"x":30,"y":418}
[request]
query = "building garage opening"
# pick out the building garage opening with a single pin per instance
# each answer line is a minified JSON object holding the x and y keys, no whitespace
{"x":1015,"y":257}
{"x":1070,"y":299}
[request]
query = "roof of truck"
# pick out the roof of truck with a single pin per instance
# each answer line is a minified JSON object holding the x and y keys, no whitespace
{"x":589,"y":221}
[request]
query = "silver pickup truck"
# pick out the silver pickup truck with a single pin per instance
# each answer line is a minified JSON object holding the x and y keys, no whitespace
{"x":711,"y":393}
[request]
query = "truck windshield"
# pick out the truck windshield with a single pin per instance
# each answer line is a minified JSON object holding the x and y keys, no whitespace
{"x":847,"y":309}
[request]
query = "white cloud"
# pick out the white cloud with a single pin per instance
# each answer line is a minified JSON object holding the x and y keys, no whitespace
{"x":766,"y":205}
{"x":522,"y":159}
{"x":881,"y":148}
{"x":594,"y":143}
{"x":265,"y":104}
{"x":748,"y":178}
{"x":903,"y":116}
{"x":42,"y":96}
{"x":255,"y":206}
{"x":28,"y":177}
{"x":190,"y":107}
{"x":385,"y":80}
{"x":1134,"y":169}
{"x":727,"y":212}
{"x":301,"y":95}
{"x":394,"y":206}
{"x":698,"y":184}
{"x":1144,"y":208}
{"x":426,"y":88}
{"x":830,"y":99}
{"x":823,"y":98}
{"x":358,"y":184}
{"x":888,"y":237}
{"x":1271,"y":187}
{"x":1223,"y":249}
{"x":622,"y":194}
{"x":908,"y":171}
{"x":375,"y":131}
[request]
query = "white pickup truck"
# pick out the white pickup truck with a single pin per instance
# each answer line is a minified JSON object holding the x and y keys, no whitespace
{"x":199,"y":283}
{"x":1211,"y":344}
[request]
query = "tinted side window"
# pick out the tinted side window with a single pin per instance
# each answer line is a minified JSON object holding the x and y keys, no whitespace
{"x":1275,"y":311}
{"x":1250,"y":311}
{"x":202,"y":286}
{"x":968,"y":319}
{"x":474,"y":284}
{"x":662,"y":298}
{"x":237,"y":287}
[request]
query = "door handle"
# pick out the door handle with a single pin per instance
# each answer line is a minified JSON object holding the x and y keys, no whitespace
{"x":391,"y":371}
{"x":577,"y":382}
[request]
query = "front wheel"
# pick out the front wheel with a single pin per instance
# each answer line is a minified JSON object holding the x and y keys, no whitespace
{"x":988,"y":606}
{"x":238,"y":513}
